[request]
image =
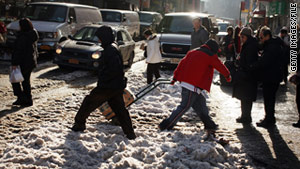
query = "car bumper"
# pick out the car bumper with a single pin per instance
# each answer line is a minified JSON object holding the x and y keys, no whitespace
{"x":46,"y":46}
{"x":88,"y":64}
{"x":171,"y":59}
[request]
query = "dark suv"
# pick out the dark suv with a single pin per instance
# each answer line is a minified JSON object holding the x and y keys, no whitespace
{"x":175,"y":35}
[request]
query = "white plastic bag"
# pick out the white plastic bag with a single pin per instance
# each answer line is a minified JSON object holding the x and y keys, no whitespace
{"x":15,"y":75}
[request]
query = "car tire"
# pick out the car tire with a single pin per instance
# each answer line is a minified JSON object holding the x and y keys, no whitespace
{"x":130,"y":60}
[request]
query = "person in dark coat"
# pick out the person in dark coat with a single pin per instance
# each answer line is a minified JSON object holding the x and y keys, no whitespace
{"x":271,"y":74}
{"x":237,"y":41}
{"x":245,"y":87}
{"x":286,"y":52}
{"x":110,"y":86}
{"x":25,"y":55}
{"x":200,"y":35}
{"x":228,"y":44}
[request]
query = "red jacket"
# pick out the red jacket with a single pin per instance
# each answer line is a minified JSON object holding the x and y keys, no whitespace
{"x":197,"y":68}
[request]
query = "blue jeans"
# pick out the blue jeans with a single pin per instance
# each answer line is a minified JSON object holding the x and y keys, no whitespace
{"x":189,"y":99}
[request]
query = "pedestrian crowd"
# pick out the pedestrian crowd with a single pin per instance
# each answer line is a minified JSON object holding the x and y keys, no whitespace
{"x":255,"y":59}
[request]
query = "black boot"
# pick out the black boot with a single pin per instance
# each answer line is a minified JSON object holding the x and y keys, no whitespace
{"x":20,"y":100}
{"x":78,"y":127}
{"x":297,"y":124}
{"x":244,"y":120}
{"x":267,"y":122}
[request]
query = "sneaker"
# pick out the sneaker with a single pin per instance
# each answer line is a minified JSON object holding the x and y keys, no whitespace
{"x":266,"y":123}
{"x":211,"y":128}
{"x":297,"y":124}
{"x":244,"y":120}
{"x":78,"y":127}
{"x":164,"y":125}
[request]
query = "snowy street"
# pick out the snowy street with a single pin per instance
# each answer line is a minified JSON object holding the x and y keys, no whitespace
{"x":39,"y":136}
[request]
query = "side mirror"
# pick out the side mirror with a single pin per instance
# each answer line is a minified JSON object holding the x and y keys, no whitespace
{"x":215,"y":30}
{"x":120,"y":42}
{"x":71,"y":20}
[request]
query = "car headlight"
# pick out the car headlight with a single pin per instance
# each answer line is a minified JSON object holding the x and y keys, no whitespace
{"x":51,"y":35}
{"x":96,"y":55}
{"x":58,"y":50}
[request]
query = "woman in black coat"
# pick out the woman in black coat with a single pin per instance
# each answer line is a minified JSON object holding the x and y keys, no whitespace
{"x":25,"y":56}
{"x":245,"y":82}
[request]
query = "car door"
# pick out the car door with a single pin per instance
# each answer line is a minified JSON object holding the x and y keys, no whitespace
{"x":130,"y":44}
{"x":121,"y":44}
{"x":126,"y":45}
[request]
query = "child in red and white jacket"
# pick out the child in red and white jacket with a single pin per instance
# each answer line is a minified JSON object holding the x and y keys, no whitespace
{"x":195,"y":73}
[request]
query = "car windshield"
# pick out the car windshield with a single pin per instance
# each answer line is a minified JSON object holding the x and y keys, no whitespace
{"x":176,"y":24}
{"x":222,"y":27}
{"x":109,"y":16}
{"x":50,"y":13}
{"x":86,"y":34}
{"x":146,"y":17}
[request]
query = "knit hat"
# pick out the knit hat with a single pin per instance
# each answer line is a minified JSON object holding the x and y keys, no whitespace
{"x":246,"y":31}
{"x":213,"y":45}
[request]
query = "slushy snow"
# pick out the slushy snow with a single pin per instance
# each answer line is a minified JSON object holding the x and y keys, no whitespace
{"x":51,"y":144}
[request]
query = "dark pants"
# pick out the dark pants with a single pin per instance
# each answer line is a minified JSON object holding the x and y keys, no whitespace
{"x":152,"y":69}
{"x":246,"y":106}
{"x":114,"y":97}
{"x":25,"y":93}
{"x":194,"y":100}
{"x":298,"y":98}
{"x":285,"y":72}
{"x":269,"y":93}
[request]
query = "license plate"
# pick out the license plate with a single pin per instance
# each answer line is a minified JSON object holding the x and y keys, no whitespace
{"x":175,"y":60}
{"x":73,"y":61}
{"x":45,"y":47}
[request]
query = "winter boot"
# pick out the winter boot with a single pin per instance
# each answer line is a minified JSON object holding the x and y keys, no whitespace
{"x":267,"y":122}
{"x":131,"y":136}
{"x":297,"y":124}
{"x":20,"y":100}
{"x":244,"y":120}
{"x":164,"y":125}
{"x":78,"y":127}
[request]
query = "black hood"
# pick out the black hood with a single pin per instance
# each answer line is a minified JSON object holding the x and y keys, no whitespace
{"x":105,"y":34}
{"x":31,"y":36}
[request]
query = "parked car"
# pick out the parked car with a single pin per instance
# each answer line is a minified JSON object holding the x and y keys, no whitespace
{"x":175,"y":35}
{"x":149,"y":20}
{"x":128,"y":19}
{"x":55,"y":20}
{"x":83,"y":49}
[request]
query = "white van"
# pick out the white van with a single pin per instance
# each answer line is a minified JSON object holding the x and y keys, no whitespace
{"x":55,"y":20}
{"x":128,"y":19}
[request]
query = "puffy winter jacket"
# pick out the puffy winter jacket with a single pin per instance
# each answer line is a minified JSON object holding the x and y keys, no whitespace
{"x":25,"y":50}
{"x":110,"y":72}
{"x":197,"y":68}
